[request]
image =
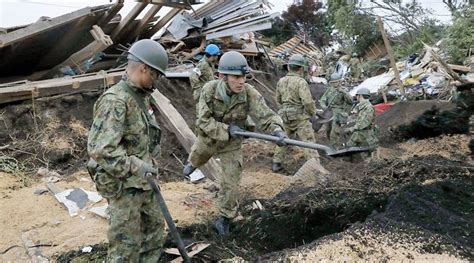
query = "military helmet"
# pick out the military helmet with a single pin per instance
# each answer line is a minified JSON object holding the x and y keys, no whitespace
{"x":150,"y":53}
{"x":212,"y":50}
{"x":297,"y":60}
{"x":233,"y":63}
{"x":363,"y":91}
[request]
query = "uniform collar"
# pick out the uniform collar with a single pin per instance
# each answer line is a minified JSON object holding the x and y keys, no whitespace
{"x":293,"y":74}
{"x":235,"y":98}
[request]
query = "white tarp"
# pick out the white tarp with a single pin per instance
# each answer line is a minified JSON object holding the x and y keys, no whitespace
{"x":376,"y":83}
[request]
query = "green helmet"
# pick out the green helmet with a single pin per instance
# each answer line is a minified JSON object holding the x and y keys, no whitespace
{"x":233,"y":63}
{"x":363,"y":91}
{"x":297,"y":60}
{"x":151,"y":53}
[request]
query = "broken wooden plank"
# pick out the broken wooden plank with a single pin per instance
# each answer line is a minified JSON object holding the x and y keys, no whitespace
{"x":184,"y":134}
{"x":36,"y":89}
{"x":36,"y":28}
{"x":460,"y":68}
{"x":163,"y":21}
{"x":174,"y":4}
{"x":195,"y":249}
{"x":444,"y":65}
{"x":101,"y":42}
{"x":137,"y":9}
{"x":391,"y":56}
{"x":147,"y":18}
{"x":110,"y":13}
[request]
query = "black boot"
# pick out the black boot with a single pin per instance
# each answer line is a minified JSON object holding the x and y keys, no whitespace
{"x":276,"y":167}
{"x":222,"y":226}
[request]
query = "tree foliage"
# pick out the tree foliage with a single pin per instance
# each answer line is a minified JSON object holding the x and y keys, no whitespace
{"x":358,"y":27}
{"x":461,"y":35}
{"x":307,"y":17}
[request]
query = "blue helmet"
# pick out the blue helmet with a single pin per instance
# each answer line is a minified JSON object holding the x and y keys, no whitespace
{"x":212,"y":50}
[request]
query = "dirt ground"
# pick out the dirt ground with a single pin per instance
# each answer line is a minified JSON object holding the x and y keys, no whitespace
{"x":413,"y":203}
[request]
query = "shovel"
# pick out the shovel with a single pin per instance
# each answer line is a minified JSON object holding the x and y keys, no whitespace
{"x":328,"y":150}
{"x":168,"y":218}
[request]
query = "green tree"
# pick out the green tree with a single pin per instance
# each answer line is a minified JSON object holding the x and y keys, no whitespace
{"x":461,"y":35}
{"x":359,"y":28}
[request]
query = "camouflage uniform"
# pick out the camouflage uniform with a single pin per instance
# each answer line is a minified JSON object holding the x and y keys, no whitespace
{"x":340,"y":103}
{"x":297,"y":107}
{"x":364,"y":129}
{"x":202,"y":74}
{"x":121,"y":138}
{"x":356,"y":68}
{"x":216,"y":110}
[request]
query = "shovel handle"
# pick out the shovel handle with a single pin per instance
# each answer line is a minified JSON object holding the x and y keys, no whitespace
{"x":328,"y":150}
{"x":168,"y":218}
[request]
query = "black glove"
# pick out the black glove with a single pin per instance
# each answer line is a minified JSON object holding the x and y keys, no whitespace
{"x":232,"y":129}
{"x":281,"y":137}
{"x":188,"y":170}
{"x":147,"y":168}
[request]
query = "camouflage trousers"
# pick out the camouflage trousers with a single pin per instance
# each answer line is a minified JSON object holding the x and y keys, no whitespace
{"x":136,"y":227}
{"x":301,"y":130}
{"x":337,"y":137}
{"x":230,"y":160}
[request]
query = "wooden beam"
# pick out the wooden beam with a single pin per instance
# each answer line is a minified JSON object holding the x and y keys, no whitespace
{"x":52,"y":87}
{"x":390,"y":54}
{"x":110,"y":13}
{"x":137,"y":9}
{"x":39,"y":27}
{"x":184,"y":134}
{"x":174,"y":4}
{"x":444,"y":65}
{"x":101,"y":42}
{"x":163,"y":21}
{"x":146,"y":19}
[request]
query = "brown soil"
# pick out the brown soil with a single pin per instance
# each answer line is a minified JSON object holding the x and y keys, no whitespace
{"x":404,"y":113}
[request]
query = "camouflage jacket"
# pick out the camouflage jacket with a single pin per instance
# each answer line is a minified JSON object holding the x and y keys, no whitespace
{"x":121,"y":136}
{"x":364,"y":128}
{"x":294,"y":96}
{"x":201,"y":74}
{"x":337,"y":99}
{"x":216,"y":110}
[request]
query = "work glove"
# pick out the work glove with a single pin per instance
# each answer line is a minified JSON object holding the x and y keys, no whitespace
{"x":232,"y":129}
{"x":147,"y":168}
{"x":313,"y":119}
{"x":188,"y":170}
{"x":281,"y":137}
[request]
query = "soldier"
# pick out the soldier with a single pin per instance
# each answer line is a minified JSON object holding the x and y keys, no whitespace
{"x":297,"y":107}
{"x":363,"y":132}
{"x":223,"y":108}
{"x":340,"y":103}
{"x":356,"y":68}
{"x":203,"y":71}
{"x":123,"y":146}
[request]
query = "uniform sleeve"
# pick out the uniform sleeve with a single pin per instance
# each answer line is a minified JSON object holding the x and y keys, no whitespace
{"x":105,"y":136}
{"x":306,"y":98}
{"x":267,"y":119}
{"x":365,"y":118}
{"x":205,"y":120}
{"x":194,"y":79}
{"x":278,"y":93}
{"x":324,"y":99}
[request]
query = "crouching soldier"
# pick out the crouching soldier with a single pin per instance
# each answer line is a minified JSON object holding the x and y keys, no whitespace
{"x":363,"y":134}
{"x":223,"y":107}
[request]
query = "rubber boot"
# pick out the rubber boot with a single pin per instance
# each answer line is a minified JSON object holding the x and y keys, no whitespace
{"x":222,"y":226}
{"x":276,"y":167}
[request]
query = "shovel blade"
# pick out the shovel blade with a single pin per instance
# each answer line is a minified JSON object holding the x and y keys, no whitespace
{"x":349,"y":151}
